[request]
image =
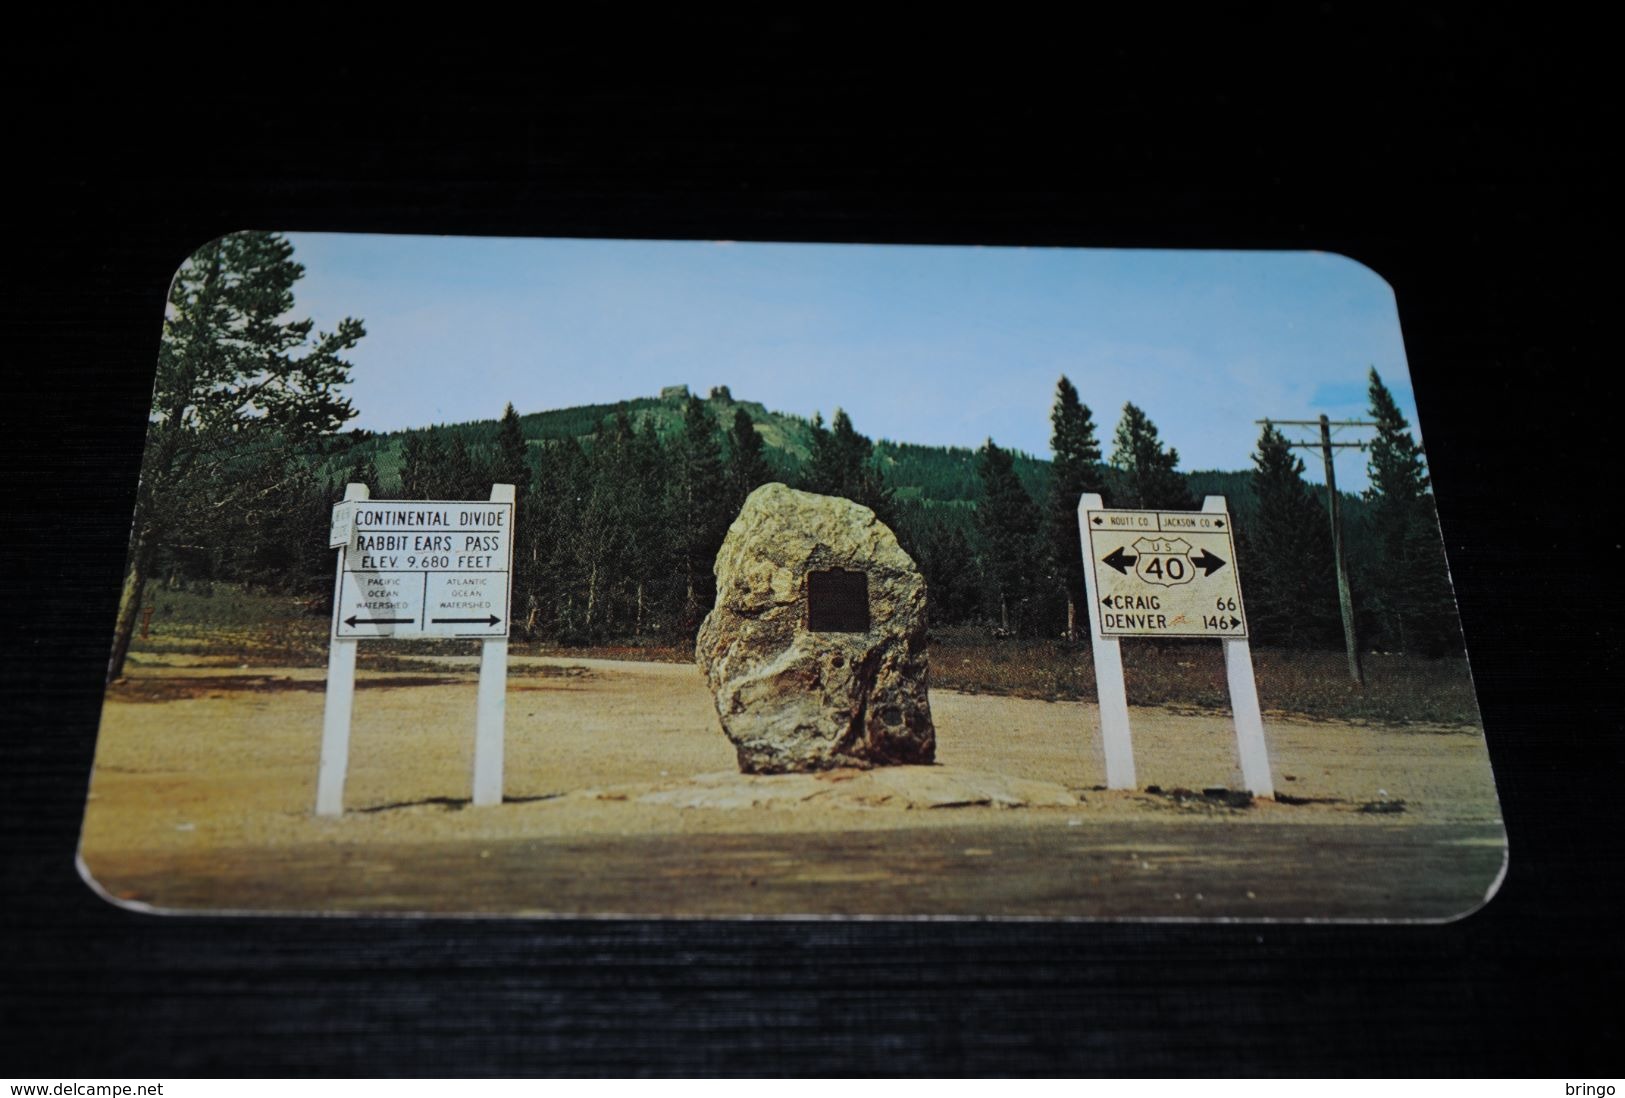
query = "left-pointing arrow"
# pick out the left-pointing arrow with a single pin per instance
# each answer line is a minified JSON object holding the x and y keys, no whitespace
{"x":1119,"y":560}
{"x":353,"y":621}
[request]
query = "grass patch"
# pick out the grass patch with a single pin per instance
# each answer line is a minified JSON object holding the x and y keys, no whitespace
{"x":165,"y":688}
{"x":1398,"y":689}
{"x":226,"y":625}
{"x":650,"y":653}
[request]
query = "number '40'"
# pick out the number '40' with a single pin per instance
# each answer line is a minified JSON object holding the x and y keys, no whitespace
{"x":1169,"y":567}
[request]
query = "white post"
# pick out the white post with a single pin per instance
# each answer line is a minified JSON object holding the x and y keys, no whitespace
{"x":341,"y":652}
{"x":493,"y":703}
{"x":1238,"y":669}
{"x":1109,"y":688}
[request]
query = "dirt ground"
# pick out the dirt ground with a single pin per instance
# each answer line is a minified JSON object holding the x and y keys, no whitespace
{"x":622,"y":797}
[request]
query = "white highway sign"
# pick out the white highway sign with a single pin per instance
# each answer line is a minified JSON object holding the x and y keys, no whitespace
{"x":424,"y":569}
{"x":1165,"y":574}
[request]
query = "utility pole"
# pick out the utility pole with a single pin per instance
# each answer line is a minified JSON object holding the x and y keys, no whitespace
{"x":1326,"y":446}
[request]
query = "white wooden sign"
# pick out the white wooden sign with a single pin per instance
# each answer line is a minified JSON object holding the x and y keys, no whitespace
{"x":425,"y":569}
{"x":419,"y":569}
{"x":1167,"y":574}
{"x":1164,"y":574}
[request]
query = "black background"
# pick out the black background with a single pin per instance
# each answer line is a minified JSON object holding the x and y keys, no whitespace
{"x":1460,"y":159}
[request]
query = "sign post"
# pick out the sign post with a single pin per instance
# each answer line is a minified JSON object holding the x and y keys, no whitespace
{"x":1109,"y":687}
{"x":341,"y":653}
{"x":1167,"y":574}
{"x":410,"y":568}
{"x":493,"y":703}
{"x":1244,"y":708}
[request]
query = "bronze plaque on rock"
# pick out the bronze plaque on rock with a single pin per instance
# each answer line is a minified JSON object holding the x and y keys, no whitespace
{"x":837,"y":601}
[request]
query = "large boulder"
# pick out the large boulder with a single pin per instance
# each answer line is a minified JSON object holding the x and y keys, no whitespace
{"x":841,"y":682}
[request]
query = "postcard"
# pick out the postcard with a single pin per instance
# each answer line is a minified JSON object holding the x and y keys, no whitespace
{"x":710,"y":579}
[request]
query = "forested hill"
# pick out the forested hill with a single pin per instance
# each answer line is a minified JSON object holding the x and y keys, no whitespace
{"x":916,"y":473}
{"x":928,"y":474}
{"x":625,"y":505}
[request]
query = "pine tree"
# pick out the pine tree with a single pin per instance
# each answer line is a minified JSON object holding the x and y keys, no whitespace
{"x":747,"y":467}
{"x":299,"y":538}
{"x":1075,"y":470}
{"x":654,"y":549}
{"x":1409,"y":583}
{"x":547,"y":582}
{"x":957,"y":570}
{"x":363,"y":470}
{"x":238,"y":391}
{"x":1146,"y":476}
{"x":423,"y":466}
{"x":1399,"y":475}
{"x":701,"y":507}
{"x":1009,"y":523}
{"x":822,"y":473}
{"x":842,"y":464}
{"x":945,"y":557}
{"x":464,"y":476}
{"x":1292,"y":585}
{"x":609,"y":524}
{"x":512,"y":465}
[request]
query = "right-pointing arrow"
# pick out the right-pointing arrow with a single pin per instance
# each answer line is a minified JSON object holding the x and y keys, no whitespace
{"x":1208,"y":563}
{"x":1235,"y":622}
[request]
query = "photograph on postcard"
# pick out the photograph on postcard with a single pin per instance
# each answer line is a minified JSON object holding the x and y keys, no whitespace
{"x":564,"y":577}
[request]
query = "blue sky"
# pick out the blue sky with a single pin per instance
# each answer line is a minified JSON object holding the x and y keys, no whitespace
{"x":938,"y":345}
